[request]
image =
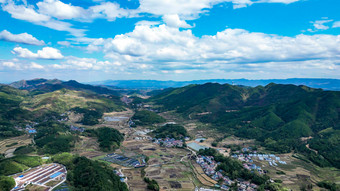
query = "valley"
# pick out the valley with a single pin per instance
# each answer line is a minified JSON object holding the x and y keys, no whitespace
{"x":157,"y":140}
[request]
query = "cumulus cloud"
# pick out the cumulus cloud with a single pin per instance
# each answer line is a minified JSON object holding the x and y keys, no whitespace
{"x":23,"y":12}
{"x":16,"y":64}
{"x":28,"y":13}
{"x":23,"y":38}
{"x":77,"y":63}
{"x":60,"y":10}
{"x":166,"y":48}
{"x":46,"y":53}
{"x":175,"y":21}
{"x":191,"y":9}
{"x":36,"y":66}
{"x":52,"y":13}
{"x":110,"y":11}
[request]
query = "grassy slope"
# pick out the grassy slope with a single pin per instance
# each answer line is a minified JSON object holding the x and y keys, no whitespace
{"x":63,"y":100}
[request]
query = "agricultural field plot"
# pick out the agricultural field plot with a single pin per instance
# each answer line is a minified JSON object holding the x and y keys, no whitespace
{"x":201,"y":176}
{"x":298,"y":172}
{"x":174,"y":176}
{"x":11,"y":144}
{"x":135,"y":180}
{"x":44,"y":177}
{"x":88,"y":147}
{"x":164,"y":165}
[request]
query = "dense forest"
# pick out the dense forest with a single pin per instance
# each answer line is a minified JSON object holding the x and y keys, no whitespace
{"x":85,"y":174}
{"x":109,"y":139}
{"x":51,"y":138}
{"x":171,"y":131}
{"x":17,"y":164}
{"x":145,"y":117}
{"x":277,"y":116}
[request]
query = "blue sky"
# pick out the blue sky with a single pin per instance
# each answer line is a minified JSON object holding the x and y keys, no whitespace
{"x":169,"y":39}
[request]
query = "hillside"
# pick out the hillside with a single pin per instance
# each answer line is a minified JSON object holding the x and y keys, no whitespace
{"x":63,"y":100}
{"x":44,"y":85}
{"x":276,"y":115}
{"x":21,"y":106}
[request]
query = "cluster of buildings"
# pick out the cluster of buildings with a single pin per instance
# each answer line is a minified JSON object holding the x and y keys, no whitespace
{"x":209,"y":166}
{"x":41,"y":176}
{"x":131,"y":123}
{"x":75,"y":128}
{"x":169,"y":142}
{"x":30,"y":128}
{"x":119,"y":173}
{"x":249,"y":157}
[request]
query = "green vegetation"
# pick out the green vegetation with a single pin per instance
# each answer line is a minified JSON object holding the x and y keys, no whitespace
{"x":85,"y":174}
{"x":328,"y":145}
{"x":109,"y":139}
{"x":51,"y":138}
{"x":6,"y":183}
{"x":171,"y":131}
{"x":7,"y":131}
{"x":90,"y":117}
{"x":18,"y":164}
{"x":12,"y":144}
{"x":24,"y":150}
{"x":277,"y":116}
{"x":329,"y":185}
{"x":152,"y":184}
{"x":145,"y":117}
{"x":64,"y":100}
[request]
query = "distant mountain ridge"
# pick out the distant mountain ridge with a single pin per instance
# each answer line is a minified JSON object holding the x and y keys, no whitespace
{"x":46,"y":85}
{"x":326,"y":84}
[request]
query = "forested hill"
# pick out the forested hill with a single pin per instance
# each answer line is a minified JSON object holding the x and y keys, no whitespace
{"x":45,"y":85}
{"x":276,"y":115}
{"x":22,"y":106}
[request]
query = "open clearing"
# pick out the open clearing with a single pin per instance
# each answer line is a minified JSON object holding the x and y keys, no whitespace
{"x":8,"y":146}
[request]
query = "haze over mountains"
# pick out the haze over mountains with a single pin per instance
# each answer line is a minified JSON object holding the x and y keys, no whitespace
{"x":327,"y":84}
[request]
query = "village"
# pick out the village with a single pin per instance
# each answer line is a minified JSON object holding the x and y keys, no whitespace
{"x":209,"y":166}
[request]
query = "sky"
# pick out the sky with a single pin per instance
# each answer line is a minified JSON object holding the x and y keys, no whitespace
{"x":95,"y":40}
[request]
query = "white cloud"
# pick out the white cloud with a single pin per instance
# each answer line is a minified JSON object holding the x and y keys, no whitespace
{"x":336,"y":24}
{"x":49,"y":13}
{"x":60,"y":10}
{"x":45,"y":53}
{"x":190,"y":9}
{"x":148,"y":23}
{"x":16,"y":64}
{"x":76,"y":63}
{"x":278,"y":1}
{"x":36,"y":66}
{"x":175,"y":21}
{"x":28,"y":13}
{"x":20,"y":38}
{"x":64,"y":43}
{"x":165,"y":48}
{"x":111,"y":11}
{"x":23,"y":12}
{"x":320,"y":25}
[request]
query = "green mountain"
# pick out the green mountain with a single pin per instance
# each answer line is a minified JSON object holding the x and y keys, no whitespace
{"x":21,"y":106}
{"x":43,"y":85}
{"x":276,"y":115}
